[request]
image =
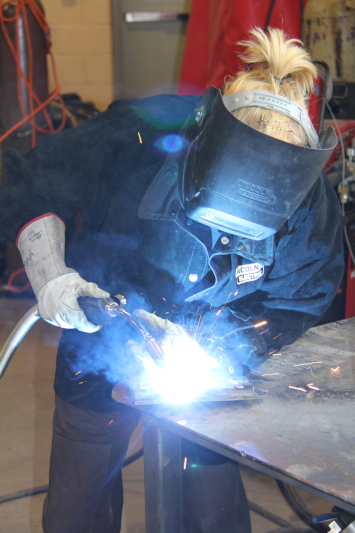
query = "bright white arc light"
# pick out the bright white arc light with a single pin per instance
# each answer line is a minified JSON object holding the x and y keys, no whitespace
{"x":186,"y":373}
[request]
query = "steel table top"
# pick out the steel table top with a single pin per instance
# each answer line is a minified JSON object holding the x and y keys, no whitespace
{"x":299,"y":435}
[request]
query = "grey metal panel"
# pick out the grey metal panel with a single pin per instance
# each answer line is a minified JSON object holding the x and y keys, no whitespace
{"x":148,"y":55}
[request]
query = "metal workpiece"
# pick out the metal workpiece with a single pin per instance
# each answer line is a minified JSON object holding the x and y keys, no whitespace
{"x":301,"y":428}
{"x":16,"y":337}
{"x":136,"y":394}
{"x":162,"y":479}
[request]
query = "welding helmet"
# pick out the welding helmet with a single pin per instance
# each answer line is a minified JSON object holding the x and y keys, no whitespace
{"x":240,"y":180}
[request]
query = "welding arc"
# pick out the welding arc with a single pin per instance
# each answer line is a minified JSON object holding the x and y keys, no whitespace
{"x":41,"y":490}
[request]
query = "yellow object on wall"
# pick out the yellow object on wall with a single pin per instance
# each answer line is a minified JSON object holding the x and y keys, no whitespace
{"x":82,"y":48}
{"x":329,"y":34}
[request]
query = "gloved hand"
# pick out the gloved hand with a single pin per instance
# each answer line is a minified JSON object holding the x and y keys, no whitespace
{"x":41,"y":244}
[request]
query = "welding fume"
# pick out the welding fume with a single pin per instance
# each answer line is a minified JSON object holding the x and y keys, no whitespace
{"x":213,"y":218}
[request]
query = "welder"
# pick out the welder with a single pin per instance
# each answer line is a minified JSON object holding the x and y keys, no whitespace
{"x":211,"y":206}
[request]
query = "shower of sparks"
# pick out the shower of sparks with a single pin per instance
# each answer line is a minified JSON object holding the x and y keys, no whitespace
{"x":78,"y":372}
{"x":296,"y":388}
{"x":110,"y":422}
{"x":260,"y":324}
{"x":277,"y":336}
{"x":313,"y":363}
{"x":140,"y":138}
{"x":185,"y":463}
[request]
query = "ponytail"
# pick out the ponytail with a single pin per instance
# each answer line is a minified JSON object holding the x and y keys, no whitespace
{"x":280,"y":66}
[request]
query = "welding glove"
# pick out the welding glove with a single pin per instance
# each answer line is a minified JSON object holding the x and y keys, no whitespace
{"x":41,"y":244}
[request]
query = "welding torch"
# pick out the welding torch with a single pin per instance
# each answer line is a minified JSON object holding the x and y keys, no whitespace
{"x":99,"y":311}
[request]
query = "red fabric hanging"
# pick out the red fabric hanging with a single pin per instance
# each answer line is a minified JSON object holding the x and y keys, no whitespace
{"x":216,"y":25}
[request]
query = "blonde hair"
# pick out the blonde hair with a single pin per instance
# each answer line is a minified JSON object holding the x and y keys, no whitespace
{"x":280,"y":66}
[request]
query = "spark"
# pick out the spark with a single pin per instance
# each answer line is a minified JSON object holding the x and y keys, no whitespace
{"x":174,"y":305}
{"x":78,"y":372}
{"x":164,"y":299}
{"x":311,"y":387}
{"x":272,"y":352}
{"x":236,"y":292}
{"x":140,"y":138}
{"x":185,"y":463}
{"x":81,"y":382}
{"x":110,"y":422}
{"x":217,"y":314}
{"x":313,"y":363}
{"x":220,"y":348}
{"x":262,"y":332}
{"x":154,"y":312}
{"x":167,"y":313}
{"x":296,"y":388}
{"x":275,"y":374}
{"x":260,"y":324}
{"x":277,"y":336}
{"x":335,"y":370}
{"x":308,"y":384}
{"x":276,"y":354}
{"x":140,"y":294}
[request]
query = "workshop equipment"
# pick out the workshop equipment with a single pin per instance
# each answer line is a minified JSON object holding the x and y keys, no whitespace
{"x":101,"y":311}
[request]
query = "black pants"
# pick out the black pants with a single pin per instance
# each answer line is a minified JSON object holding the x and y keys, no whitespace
{"x":85,"y":481}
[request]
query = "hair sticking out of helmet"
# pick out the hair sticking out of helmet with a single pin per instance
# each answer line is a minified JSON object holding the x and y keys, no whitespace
{"x":280,"y":66}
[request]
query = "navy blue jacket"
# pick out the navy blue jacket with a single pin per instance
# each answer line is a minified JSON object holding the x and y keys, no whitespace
{"x":137,"y":241}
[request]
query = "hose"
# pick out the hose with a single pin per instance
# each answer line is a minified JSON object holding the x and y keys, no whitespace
{"x":301,"y":509}
{"x":40,"y":490}
{"x":255,"y":508}
{"x":34,"y":102}
{"x":16,"y":336}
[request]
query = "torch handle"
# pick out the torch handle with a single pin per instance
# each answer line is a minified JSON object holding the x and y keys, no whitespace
{"x":95,"y":309}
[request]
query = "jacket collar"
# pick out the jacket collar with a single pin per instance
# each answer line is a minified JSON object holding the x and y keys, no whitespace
{"x":161,"y":202}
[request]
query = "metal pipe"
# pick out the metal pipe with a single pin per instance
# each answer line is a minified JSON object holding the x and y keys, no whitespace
{"x":16,"y":337}
{"x":111,"y":309}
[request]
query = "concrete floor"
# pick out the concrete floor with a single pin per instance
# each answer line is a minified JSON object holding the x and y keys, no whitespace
{"x":26,"y":409}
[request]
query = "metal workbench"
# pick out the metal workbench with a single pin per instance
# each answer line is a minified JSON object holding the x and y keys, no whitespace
{"x":305,"y":437}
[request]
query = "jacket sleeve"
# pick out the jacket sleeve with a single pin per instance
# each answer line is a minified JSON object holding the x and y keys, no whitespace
{"x":307,"y":271}
{"x":66,"y":170}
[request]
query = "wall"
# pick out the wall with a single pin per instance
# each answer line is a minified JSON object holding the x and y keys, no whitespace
{"x":82,"y":48}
